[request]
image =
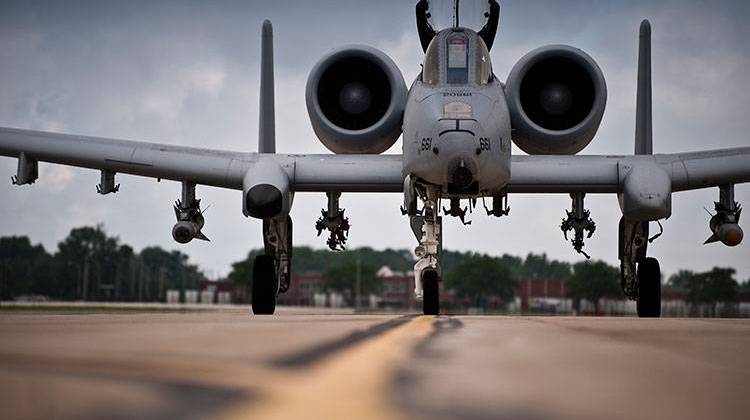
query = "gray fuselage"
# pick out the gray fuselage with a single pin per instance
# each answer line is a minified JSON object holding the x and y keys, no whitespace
{"x":456,"y":130}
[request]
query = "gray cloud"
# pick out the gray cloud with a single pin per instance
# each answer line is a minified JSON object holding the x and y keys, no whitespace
{"x":187,"y":72}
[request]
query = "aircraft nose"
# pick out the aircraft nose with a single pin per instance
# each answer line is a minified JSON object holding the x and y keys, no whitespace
{"x":461,"y":173}
{"x":462,"y":177}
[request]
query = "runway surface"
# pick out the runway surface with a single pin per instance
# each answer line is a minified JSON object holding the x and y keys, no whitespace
{"x":227,"y":364}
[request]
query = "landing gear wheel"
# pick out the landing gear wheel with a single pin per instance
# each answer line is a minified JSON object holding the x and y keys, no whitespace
{"x":430,"y":293}
{"x":265,"y":285}
{"x":649,"y":289}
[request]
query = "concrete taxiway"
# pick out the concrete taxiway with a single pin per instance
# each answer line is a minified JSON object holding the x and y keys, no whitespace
{"x":227,"y":364}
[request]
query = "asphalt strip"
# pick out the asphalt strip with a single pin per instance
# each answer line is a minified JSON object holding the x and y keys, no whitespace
{"x":315,"y":354}
{"x":334,"y":381}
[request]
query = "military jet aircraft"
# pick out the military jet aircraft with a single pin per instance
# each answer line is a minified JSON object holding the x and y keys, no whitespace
{"x":457,"y":121}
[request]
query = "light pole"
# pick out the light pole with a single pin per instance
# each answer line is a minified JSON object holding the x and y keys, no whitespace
{"x":357,"y":287}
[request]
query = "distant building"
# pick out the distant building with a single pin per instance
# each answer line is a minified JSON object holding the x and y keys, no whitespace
{"x":210,"y":292}
{"x":548,"y":296}
{"x":302,"y":290}
{"x":543,"y":296}
{"x":398,"y":289}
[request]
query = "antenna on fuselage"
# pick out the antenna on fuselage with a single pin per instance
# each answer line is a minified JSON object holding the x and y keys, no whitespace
{"x":455,"y":13}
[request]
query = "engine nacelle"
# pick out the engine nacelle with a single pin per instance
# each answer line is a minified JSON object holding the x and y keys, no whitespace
{"x":356,"y":98}
{"x":266,"y":190}
{"x":556,"y":96}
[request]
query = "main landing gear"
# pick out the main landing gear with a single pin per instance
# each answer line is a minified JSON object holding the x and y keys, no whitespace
{"x":640,"y":276}
{"x":649,"y":289}
{"x":272,"y":270}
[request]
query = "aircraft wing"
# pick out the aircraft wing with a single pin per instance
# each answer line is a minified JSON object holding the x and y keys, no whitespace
{"x":605,"y":174}
{"x":372,"y":173}
{"x":362,"y":173}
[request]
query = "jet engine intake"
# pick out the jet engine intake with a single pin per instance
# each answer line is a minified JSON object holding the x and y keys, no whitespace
{"x":355,"y":99}
{"x":556,"y":96}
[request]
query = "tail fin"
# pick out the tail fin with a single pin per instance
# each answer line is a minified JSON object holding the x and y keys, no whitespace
{"x":643,"y":122}
{"x":267,"y":130}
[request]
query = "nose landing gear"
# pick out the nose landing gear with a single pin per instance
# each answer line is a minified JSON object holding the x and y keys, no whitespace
{"x":428,"y":230}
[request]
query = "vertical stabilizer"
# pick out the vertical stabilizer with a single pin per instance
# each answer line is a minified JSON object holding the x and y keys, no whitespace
{"x":643,"y":124}
{"x":267,"y":130}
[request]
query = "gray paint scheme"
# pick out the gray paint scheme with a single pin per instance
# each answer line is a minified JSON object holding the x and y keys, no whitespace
{"x":535,"y":139}
{"x":643,"y":111}
{"x":362,"y":173}
{"x":267,"y":123}
{"x":457,"y":127}
{"x":371,"y":140}
{"x":436,"y":142}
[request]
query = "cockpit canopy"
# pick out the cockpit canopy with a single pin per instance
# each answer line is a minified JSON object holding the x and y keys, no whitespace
{"x":457,"y":56}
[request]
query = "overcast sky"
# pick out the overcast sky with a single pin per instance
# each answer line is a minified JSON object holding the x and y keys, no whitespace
{"x":187,"y":73}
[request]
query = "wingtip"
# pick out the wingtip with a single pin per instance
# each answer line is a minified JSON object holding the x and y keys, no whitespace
{"x":267,"y":28}
{"x":645,"y":28}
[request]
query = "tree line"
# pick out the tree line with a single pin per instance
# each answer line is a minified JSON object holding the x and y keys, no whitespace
{"x":90,"y":265}
{"x":482,"y":280}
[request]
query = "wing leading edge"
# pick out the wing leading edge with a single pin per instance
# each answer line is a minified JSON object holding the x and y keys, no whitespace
{"x":362,"y":173}
{"x":225,"y":169}
{"x":605,"y":174}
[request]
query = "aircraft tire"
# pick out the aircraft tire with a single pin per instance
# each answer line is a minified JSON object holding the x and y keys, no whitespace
{"x":430,"y":292}
{"x":265,"y":285}
{"x":649,"y":289}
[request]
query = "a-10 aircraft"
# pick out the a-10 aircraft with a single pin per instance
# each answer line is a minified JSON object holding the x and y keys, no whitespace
{"x":457,"y":121}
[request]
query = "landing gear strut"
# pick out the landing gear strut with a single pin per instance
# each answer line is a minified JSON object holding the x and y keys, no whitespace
{"x":640,"y":277}
{"x":428,"y":230}
{"x":272,"y":270}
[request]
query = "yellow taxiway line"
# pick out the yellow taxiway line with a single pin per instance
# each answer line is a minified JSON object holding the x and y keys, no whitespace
{"x":353,"y":383}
